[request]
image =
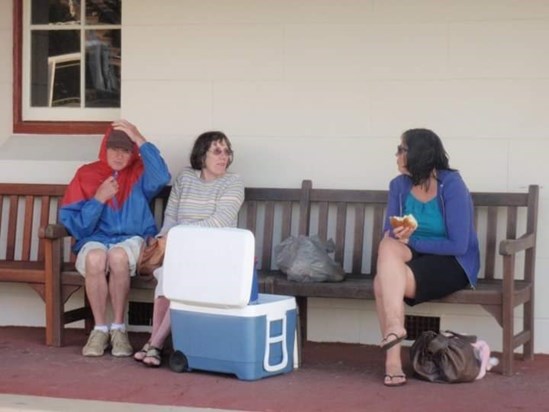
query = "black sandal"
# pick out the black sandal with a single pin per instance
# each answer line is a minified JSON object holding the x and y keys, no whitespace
{"x":142,"y":353}
{"x":155,"y":354}
{"x":389,"y":380}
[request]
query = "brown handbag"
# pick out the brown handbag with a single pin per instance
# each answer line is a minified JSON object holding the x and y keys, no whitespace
{"x":445,"y":357}
{"x":151,"y":256}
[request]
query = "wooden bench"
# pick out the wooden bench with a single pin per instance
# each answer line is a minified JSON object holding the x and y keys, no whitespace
{"x":506,"y":223}
{"x":36,"y":249}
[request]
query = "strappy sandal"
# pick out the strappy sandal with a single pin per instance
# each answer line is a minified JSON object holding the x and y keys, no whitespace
{"x":142,"y":353}
{"x":153,"y":357}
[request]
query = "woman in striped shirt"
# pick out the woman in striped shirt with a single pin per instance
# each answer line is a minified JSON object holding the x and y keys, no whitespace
{"x":204,"y":194}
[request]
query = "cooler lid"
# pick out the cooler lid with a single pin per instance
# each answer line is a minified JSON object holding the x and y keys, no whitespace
{"x":209,"y":266}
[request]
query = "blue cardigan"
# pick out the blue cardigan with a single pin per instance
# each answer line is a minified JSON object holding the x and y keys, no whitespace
{"x":456,"y":206}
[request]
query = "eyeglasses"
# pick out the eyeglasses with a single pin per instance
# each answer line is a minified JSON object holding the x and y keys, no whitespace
{"x":401,"y":150}
{"x":218,"y":152}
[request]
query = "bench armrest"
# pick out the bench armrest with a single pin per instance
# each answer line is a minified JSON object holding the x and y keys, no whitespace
{"x":513,"y":246}
{"x":53,"y":231}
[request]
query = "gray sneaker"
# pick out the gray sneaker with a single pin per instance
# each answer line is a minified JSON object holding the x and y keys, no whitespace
{"x":97,"y":343}
{"x":120,"y":343}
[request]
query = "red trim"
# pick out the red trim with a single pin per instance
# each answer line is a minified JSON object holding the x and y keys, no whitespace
{"x":38,"y":127}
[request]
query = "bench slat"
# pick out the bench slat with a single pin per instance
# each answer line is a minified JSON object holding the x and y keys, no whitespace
{"x":44,"y":220}
{"x":341,"y":230}
{"x":268,"y":227}
{"x":27,"y":229}
{"x":323,"y":220}
{"x":12,"y":227}
{"x":251,"y":216}
{"x":358,"y":245}
{"x":377,"y":235}
{"x":286,"y":224}
{"x":511,"y":232}
{"x":491,"y":235}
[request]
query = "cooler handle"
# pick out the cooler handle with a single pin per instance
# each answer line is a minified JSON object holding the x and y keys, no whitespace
{"x":275,"y":339}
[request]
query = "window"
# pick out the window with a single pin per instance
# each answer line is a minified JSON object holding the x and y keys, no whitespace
{"x":67,"y":65}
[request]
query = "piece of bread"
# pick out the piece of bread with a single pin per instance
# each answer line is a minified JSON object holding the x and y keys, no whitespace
{"x":408,"y":221}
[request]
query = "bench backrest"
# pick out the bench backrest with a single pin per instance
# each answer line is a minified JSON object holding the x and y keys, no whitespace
{"x":352,"y":218}
{"x":24,"y":208}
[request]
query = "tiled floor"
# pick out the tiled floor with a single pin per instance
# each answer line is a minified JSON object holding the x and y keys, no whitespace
{"x":333,"y":377}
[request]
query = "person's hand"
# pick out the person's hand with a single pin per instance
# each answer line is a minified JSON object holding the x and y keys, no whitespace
{"x":403,"y":233}
{"x":130,"y":129}
{"x":107,"y":190}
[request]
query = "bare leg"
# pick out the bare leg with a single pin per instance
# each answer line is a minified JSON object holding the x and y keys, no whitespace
{"x":161,"y":321}
{"x":161,"y":330}
{"x":394,"y":281}
{"x":119,"y":282}
{"x":96,"y":284}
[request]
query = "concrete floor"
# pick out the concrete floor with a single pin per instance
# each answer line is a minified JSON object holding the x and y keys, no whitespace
{"x":19,"y":403}
{"x":333,"y":377}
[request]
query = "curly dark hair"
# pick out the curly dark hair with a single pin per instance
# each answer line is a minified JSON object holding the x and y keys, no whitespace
{"x":203,"y":143}
{"x":425,"y":153}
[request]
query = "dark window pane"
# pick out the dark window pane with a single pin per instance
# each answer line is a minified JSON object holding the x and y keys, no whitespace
{"x":103,"y":12}
{"x":55,"y":12}
{"x":55,"y":68}
{"x":103,"y":68}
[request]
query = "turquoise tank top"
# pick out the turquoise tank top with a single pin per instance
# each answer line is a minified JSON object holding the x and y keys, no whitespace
{"x":428,"y":216}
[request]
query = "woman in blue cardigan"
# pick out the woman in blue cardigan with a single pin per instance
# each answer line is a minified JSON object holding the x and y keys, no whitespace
{"x":434,"y":259}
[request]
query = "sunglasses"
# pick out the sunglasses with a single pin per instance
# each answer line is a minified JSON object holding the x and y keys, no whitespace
{"x":401,"y":150}
{"x":218,"y":152}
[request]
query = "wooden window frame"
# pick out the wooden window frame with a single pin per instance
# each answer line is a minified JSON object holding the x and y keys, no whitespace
{"x":39,"y":127}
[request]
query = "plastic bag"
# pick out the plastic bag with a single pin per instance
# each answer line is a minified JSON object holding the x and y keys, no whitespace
{"x":306,"y":259}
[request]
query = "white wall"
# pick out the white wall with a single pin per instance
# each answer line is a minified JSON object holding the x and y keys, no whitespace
{"x":322,"y":89}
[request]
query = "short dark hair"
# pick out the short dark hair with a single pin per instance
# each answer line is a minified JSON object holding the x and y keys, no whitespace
{"x":203,"y":143}
{"x":425,"y":154}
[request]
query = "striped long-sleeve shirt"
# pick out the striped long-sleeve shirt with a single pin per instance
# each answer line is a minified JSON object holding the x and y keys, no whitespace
{"x":194,"y":201}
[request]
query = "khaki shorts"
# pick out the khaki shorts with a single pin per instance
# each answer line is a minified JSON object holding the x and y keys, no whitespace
{"x":131,"y":246}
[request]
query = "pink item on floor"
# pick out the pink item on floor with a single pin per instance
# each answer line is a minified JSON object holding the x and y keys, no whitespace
{"x":482,"y":352}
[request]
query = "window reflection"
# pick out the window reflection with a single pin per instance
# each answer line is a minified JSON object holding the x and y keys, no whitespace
{"x":102,"y":68}
{"x":55,"y":12}
{"x":57,"y":53}
{"x":103,"y":12}
{"x":55,"y":68}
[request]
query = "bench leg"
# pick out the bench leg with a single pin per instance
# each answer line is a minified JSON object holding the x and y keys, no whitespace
{"x":508,"y":335}
{"x":302,"y":310}
{"x":52,"y":294}
{"x":528,"y":350}
{"x":299,"y":343}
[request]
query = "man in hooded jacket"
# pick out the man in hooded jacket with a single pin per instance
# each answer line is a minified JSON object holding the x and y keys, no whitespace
{"x":106,"y":209}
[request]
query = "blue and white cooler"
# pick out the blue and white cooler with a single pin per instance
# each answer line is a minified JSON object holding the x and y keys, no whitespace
{"x":217,"y":324}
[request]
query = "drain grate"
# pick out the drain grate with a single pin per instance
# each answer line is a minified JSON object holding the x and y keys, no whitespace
{"x":140,"y":313}
{"x":416,"y":325}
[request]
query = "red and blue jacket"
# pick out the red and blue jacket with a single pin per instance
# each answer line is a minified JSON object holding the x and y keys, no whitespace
{"x":127,"y":214}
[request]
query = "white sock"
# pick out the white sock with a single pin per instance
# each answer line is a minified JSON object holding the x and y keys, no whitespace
{"x":118,"y":326}
{"x":102,"y":328}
